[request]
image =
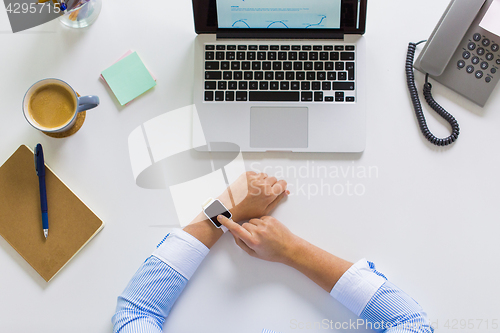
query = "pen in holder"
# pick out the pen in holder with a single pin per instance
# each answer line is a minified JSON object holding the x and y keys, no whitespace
{"x":80,"y":13}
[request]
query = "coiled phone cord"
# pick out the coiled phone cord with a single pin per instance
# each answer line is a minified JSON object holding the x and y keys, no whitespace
{"x":410,"y":79}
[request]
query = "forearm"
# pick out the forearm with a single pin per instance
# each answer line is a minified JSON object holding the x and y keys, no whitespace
{"x":321,"y":267}
{"x":149,"y":296}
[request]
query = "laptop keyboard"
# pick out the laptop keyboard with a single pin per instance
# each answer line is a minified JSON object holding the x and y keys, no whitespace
{"x":279,"y":73}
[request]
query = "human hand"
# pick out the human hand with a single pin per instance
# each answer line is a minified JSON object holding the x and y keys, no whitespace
{"x":265,"y":238}
{"x":254,"y":195}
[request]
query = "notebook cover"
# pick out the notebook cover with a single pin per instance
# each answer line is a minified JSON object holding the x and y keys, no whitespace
{"x":71,"y":223}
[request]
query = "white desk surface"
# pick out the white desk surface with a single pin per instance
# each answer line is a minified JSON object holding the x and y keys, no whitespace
{"x":428,"y":216}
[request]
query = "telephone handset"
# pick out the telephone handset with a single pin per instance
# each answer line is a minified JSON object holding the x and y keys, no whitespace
{"x":459,"y":54}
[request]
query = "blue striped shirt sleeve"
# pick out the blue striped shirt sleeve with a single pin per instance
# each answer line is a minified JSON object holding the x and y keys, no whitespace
{"x":148,"y":298}
{"x":381,"y":305}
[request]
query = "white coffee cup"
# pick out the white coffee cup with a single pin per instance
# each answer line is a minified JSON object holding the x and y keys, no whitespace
{"x":71,"y":109}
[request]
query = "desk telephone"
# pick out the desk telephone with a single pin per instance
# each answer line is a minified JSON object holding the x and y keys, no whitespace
{"x":459,"y":54}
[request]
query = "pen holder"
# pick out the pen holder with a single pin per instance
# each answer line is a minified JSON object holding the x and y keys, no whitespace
{"x":81,"y":13}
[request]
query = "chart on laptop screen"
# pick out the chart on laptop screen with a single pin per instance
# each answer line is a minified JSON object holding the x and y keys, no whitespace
{"x":279,"y":14}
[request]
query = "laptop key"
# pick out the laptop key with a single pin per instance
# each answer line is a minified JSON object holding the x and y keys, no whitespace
{"x":240,"y":55}
{"x":308,"y":66}
{"x":321,"y":76}
{"x":266,"y":65}
{"x":311,"y":76}
{"x":230,"y":55}
{"x":323,"y":56}
{"x":349,"y":47}
{"x":342,"y":76}
{"x":302,"y":55}
{"x":251,"y":55}
{"x":231,"y":47}
{"x":229,"y":96}
{"x":346,"y":55}
{"x":297,"y":66}
{"x":287,"y":65}
{"x":209,"y":96}
{"x":209,"y":55}
{"x":339,"y":66}
{"x":292,"y":55}
{"x":209,"y":47}
{"x":273,"y":96}
{"x":318,"y":65}
{"x":220,"y":47}
{"x":285,"y":47}
{"x":305,"y":85}
{"x":245,"y":65}
{"x":290,"y":76}
{"x":259,"y":75}
{"x":331,"y":76}
{"x":210,"y":85}
{"x":277,"y":65}
{"x":306,"y":96}
{"x":296,"y":47}
{"x":241,"y":96}
{"x":300,"y":76}
{"x":284,"y":85}
{"x":235,"y":65}
{"x":328,"y":47}
{"x":232,"y":85}
{"x":253,"y":85}
{"x":222,"y":85}
{"x":329,"y":66}
{"x":256,"y":65}
{"x":224,"y":65}
{"x":339,"y":47}
{"x":248,"y":75}
{"x":316,"y":86}
{"x":274,"y":47}
{"x":318,"y":96}
{"x":263,"y":47}
{"x":326,"y":85}
{"x":213,"y":75}
{"x":343,"y":85}
{"x":242,"y":47}
{"x":349,"y":99}
{"x":263,"y":85}
{"x":334,"y":56}
{"x":252,"y":47}
{"x":243,"y":85}
{"x":313,"y":55}
{"x":219,"y":55}
{"x":237,"y":75}
{"x":274,"y":85}
{"x":282,"y":56}
{"x":212,"y":65}
{"x":227,"y":75}
{"x":269,"y":75}
{"x":219,"y":96}
{"x":295,"y":85}
{"x":328,"y":98}
{"x":306,"y":47}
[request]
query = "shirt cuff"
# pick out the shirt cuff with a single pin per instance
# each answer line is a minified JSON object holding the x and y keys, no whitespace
{"x":182,"y":251}
{"x":357,"y":286}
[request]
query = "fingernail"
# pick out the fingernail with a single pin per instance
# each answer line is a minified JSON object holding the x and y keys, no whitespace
{"x":287,"y":192}
{"x":219,"y":218}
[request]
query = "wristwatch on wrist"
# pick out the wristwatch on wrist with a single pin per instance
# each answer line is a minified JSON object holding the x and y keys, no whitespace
{"x":213,"y":208}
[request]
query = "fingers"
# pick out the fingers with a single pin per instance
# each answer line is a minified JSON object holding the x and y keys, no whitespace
{"x":279,"y":187}
{"x":273,"y":204}
{"x":235,"y":228}
{"x":270,"y":180}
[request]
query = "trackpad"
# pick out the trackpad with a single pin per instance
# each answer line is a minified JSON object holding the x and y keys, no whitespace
{"x":279,"y":127}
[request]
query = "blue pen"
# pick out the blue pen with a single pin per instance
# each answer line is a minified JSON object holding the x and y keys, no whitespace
{"x":40,"y":171}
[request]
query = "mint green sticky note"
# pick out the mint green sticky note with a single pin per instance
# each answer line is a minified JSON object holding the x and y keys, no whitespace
{"x":128,"y":78}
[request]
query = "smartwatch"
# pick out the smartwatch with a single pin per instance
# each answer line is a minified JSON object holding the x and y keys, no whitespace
{"x":213,"y":208}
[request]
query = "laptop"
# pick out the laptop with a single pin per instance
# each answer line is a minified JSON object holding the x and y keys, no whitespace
{"x":281,"y":75}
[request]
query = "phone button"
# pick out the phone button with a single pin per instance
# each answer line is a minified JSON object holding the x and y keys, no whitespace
{"x":479,"y":74}
{"x":475,"y":60}
{"x":486,"y":42}
{"x":477,"y":37}
{"x":471,"y":46}
{"x":480,"y":51}
{"x":484,"y":65}
{"x":489,"y":56}
{"x":493,"y":70}
{"x":461,"y":64}
{"x":466,"y":54}
{"x":495,"y":47}
{"x":470,"y":69}
{"x":488,"y":79}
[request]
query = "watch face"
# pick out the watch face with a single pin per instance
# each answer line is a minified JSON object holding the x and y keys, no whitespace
{"x":215,"y":209}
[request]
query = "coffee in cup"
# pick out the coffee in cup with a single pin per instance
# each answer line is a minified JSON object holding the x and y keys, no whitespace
{"x":51,"y":105}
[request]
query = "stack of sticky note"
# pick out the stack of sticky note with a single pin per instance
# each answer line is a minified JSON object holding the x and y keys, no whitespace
{"x":128,"y":78}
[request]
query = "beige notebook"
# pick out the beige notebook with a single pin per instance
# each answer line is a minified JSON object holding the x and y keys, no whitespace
{"x":71,"y":223}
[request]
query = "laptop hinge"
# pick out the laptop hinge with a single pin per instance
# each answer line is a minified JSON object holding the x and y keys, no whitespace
{"x":279,"y":34}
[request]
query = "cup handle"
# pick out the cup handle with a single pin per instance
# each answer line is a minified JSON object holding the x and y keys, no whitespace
{"x":87,"y":102}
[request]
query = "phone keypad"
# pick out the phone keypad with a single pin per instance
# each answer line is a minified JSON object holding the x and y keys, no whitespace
{"x":483,"y":53}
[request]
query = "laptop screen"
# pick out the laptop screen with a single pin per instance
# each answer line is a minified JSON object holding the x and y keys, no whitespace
{"x":280,"y":17}
{"x":279,"y":14}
